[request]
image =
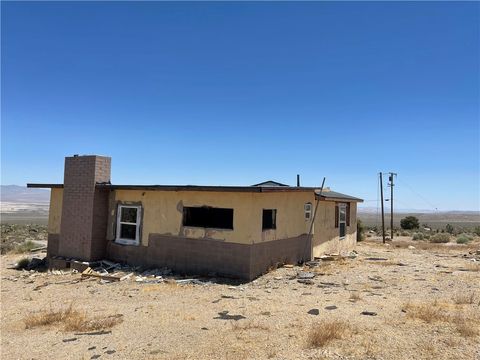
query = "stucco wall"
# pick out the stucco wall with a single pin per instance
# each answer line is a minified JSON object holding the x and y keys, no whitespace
{"x":55,"y":211}
{"x":163,"y":211}
{"x":326,"y":237}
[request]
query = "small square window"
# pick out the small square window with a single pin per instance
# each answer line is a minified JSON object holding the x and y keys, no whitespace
{"x":308,"y":211}
{"x":269,"y":219}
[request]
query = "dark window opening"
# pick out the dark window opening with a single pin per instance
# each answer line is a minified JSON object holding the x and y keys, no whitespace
{"x":208,"y":217}
{"x":269,"y":219}
{"x":128,"y":231}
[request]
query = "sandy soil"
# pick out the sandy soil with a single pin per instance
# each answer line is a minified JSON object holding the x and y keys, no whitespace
{"x":169,"y":321}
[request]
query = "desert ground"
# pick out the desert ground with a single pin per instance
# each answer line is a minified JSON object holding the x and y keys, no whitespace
{"x":417,"y":303}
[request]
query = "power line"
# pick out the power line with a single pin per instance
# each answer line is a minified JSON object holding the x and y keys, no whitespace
{"x":419,"y":195}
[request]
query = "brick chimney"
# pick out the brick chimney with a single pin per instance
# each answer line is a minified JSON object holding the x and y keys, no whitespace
{"x":85,"y":208}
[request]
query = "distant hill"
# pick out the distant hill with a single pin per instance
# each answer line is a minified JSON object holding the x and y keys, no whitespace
{"x":433,"y":219}
{"x":24,"y":195}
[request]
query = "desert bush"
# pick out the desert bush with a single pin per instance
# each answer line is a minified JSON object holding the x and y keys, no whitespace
{"x":466,"y":328}
{"x":324,"y":332}
{"x":476,"y":230}
{"x":409,"y":223}
{"x":440,"y":238}
{"x":360,"y":230}
{"x":404,"y":233}
{"x":72,"y":320}
{"x":463,"y":239}
{"x":464,"y":299}
{"x":449,"y":229}
{"x":24,"y":247}
{"x":417,"y":236}
{"x":426,"y":236}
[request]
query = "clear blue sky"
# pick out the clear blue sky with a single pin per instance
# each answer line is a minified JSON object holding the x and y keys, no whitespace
{"x":237,"y":93}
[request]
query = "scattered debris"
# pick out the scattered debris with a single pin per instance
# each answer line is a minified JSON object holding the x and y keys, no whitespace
{"x":375,"y":278}
{"x":324,"y":284}
{"x":305,"y":275}
{"x":410,"y":247}
{"x":288,"y":266}
{"x":101,"y":332}
{"x":306,"y":281}
{"x":330,"y":307}
{"x":376,"y":259}
{"x":89,"y":272}
{"x":70,"y":339}
{"x":369,"y":313}
{"x":313,"y":263}
{"x":192,"y":281}
{"x":314,"y":312}
{"x":223,"y":315}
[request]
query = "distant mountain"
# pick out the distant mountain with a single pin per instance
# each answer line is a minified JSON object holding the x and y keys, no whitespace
{"x":24,"y":195}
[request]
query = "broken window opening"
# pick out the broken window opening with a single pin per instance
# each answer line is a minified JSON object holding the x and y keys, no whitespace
{"x":128,"y":225}
{"x":208,"y":217}
{"x":269,"y":219}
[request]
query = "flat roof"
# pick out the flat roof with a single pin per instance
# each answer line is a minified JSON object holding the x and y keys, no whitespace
{"x":327,"y":195}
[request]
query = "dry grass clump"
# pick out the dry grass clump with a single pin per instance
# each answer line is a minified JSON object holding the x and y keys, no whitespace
{"x":71,"y":319}
{"x":466,"y":325}
{"x":250,"y":325}
{"x":326,"y":331}
{"x":466,"y":328}
{"x":464,"y":299}
{"x":355,"y":296}
{"x":24,"y":247}
{"x":428,"y":312}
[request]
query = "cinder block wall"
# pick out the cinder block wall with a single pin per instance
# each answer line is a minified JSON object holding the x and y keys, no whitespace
{"x":85,"y":209}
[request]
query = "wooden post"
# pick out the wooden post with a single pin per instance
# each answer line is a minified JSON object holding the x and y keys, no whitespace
{"x":383,"y":211}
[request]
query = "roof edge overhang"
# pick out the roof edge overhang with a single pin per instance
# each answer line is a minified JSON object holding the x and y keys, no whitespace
{"x":45,"y":186}
{"x":250,"y":189}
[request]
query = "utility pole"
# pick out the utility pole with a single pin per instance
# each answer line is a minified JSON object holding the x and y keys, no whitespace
{"x":390,"y":178}
{"x":383,"y":212}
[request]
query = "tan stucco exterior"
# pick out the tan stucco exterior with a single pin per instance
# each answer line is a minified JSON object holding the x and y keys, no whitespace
{"x":163,"y":211}
{"x":55,"y":212}
{"x":162,"y":214}
{"x":326,"y":239}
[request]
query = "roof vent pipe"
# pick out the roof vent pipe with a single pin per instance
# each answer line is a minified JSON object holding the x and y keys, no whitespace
{"x":298,"y":180}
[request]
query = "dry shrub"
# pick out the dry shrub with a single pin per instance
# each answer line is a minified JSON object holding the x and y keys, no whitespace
{"x":464,"y":299}
{"x":466,"y":328}
{"x":466,"y":325}
{"x":71,"y":319}
{"x":250,"y":325}
{"x":355,"y":296}
{"x":429,"y":312}
{"x":473,"y":267}
{"x":326,"y":331}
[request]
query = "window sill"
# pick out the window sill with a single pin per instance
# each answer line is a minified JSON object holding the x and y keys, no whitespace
{"x":265,"y":230}
{"x":205,"y":228}
{"x":342,"y":237}
{"x":127,"y":242}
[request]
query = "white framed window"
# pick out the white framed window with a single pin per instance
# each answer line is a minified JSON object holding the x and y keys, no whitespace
{"x":342,"y":220}
{"x":308,"y":211}
{"x":128,"y":224}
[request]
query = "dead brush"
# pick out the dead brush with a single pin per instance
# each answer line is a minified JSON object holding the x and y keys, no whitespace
{"x":71,"y":319}
{"x":428,"y":312}
{"x":466,"y":327}
{"x":464,"y":299}
{"x":250,"y":325}
{"x":326,"y":331}
{"x":355,"y":296}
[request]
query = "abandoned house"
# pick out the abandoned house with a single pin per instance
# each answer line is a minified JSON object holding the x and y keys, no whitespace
{"x":234,"y":231}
